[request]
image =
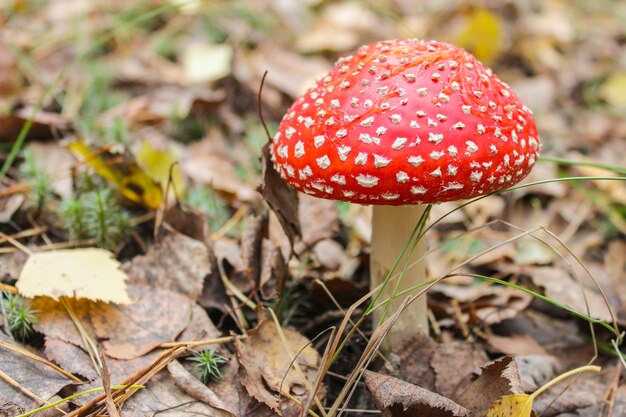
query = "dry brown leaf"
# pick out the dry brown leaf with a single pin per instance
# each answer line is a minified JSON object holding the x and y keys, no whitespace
{"x":282,"y":199}
{"x":10,"y":81}
{"x":497,"y":379}
{"x":175,"y":262}
{"x":156,"y":316}
{"x":561,"y":287}
{"x":31,"y":375}
{"x":54,"y":322}
{"x":9,"y":205}
{"x":453,"y":362}
{"x":396,"y":398}
{"x":89,"y":273}
{"x":319,"y":218}
{"x":266,"y":365}
{"x":412,"y":361}
{"x":517,"y":344}
{"x":57,"y":162}
{"x":44,"y":127}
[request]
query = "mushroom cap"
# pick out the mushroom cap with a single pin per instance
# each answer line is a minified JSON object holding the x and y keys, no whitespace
{"x":406,"y":122}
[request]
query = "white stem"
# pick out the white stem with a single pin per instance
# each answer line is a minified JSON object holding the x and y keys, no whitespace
{"x":391,"y":229}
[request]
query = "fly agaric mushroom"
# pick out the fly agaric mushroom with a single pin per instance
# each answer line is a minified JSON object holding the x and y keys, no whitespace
{"x":400,"y":124}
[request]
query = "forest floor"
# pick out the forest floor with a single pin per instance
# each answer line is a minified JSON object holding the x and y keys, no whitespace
{"x":134,"y":128}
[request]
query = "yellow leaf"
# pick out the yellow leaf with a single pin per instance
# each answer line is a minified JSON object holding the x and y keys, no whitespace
{"x":482,"y":35}
{"x":514,"y":405}
{"x":613,"y":90}
{"x":157,"y":163}
{"x":90,"y":273}
{"x":121,"y":170}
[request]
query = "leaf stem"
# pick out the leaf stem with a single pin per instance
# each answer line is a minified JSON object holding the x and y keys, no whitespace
{"x":549,"y":384}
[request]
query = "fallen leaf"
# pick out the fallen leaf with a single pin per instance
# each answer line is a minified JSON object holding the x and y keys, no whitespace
{"x":282,"y":199}
{"x":536,"y":370}
{"x":613,"y":91}
{"x":175,"y":262}
{"x":559,"y":286}
{"x":122,"y":171}
{"x":89,"y":273}
{"x":9,"y":205}
{"x":134,"y":330}
{"x":319,"y":219}
{"x":159,"y":164}
{"x":29,"y":374}
{"x":412,"y":361}
{"x":206,"y":62}
{"x":54,"y":322}
{"x":57,"y":162}
{"x":497,"y":379}
{"x":193,"y":387}
{"x":482,"y":34}
{"x":516,"y":344}
{"x":531,"y":252}
{"x":10,"y":81}
{"x":267,"y":367}
{"x":396,"y":398}
{"x":44,"y":126}
{"x":70,"y":357}
{"x":514,"y":405}
{"x":453,"y":362}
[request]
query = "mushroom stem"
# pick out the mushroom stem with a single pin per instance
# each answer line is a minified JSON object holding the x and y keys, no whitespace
{"x":392,"y":227}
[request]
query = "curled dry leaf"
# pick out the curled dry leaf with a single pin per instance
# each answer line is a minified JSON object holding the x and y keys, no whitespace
{"x":396,"y":398}
{"x":497,"y":379}
{"x":453,"y":363}
{"x":89,"y":273}
{"x":155,"y":317}
{"x":282,"y":199}
{"x":267,"y":367}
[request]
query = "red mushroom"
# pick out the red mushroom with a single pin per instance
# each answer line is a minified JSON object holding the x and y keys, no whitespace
{"x":400,"y":124}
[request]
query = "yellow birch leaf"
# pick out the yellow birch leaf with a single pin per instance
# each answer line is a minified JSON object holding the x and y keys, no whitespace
{"x":613,"y":90}
{"x":121,"y":170}
{"x":89,"y":273}
{"x":482,"y":35}
{"x":157,"y":163}
{"x":514,"y":405}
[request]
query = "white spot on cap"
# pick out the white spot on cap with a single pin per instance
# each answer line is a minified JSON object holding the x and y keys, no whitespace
{"x":398,"y":143}
{"x":283,"y":151}
{"x":436,"y":172}
{"x":437,"y":155}
{"x":366,"y":180}
{"x":452,"y":150}
{"x":420,"y":113}
{"x":492,"y":149}
{"x":305,"y":172}
{"x":335,"y":103}
{"x":435,"y":138}
{"x":344,"y":85}
{"x":402,"y":177}
{"x":480,"y":129}
{"x":323,"y":162}
{"x":290,"y":170}
{"x":505,"y":92}
{"x":414,"y":124}
{"x":289,"y":132}
{"x":330,"y":121}
{"x":343,"y":152}
{"x":478,"y":94}
{"x":466,"y":109}
{"x":442,"y":117}
{"x":319,"y":140}
{"x":475,"y":176}
{"x":299,"y":149}
{"x":432,"y":123}
{"x":458,"y":125}
{"x":339,"y":179}
{"x":354,"y":102}
{"x":380,"y":130}
{"x":415,"y":160}
{"x":341,"y":133}
{"x":452,"y":170}
{"x":487,"y":165}
{"x":395,"y":118}
{"x":365,"y":138}
{"x":368,"y":103}
{"x":471,"y":146}
{"x":444,"y":98}
{"x":361,"y":158}
{"x":381,"y":161}
{"x":367,"y":121}
{"x":390,"y":196}
{"x":453,"y":186}
{"x":276,"y":137}
{"x":382,"y":90}
{"x":418,"y":190}
{"x":409,"y":78}
{"x":422,"y":91}
{"x":348,"y":194}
